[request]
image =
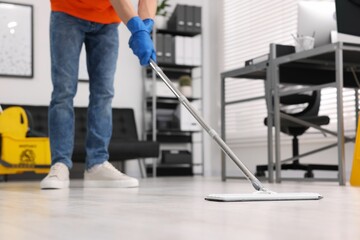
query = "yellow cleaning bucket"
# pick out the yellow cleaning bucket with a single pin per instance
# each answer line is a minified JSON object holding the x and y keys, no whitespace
{"x":355,"y":172}
{"x":19,"y":153}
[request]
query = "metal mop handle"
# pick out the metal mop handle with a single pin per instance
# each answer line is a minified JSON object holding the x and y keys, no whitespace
{"x":254,"y":181}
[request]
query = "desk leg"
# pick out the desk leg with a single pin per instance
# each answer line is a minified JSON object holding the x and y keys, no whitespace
{"x":270,"y":116}
{"x":223,"y":157}
{"x":340,"y":115}
{"x":275,"y":75}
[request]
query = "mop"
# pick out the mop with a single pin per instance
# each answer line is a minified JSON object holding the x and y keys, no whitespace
{"x":262,"y":193}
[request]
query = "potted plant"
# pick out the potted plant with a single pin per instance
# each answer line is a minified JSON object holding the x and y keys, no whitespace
{"x":161,"y":14}
{"x":185,"y":85}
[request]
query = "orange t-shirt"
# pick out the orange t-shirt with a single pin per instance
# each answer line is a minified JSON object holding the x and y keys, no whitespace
{"x":100,"y":11}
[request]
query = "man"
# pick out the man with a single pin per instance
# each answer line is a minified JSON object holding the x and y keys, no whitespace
{"x":95,"y":24}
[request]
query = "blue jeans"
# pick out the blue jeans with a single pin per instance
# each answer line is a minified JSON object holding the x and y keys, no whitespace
{"x":67,"y":35}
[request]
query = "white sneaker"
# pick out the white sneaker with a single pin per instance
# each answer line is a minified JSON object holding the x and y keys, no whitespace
{"x":105,"y":175}
{"x":57,"y":178}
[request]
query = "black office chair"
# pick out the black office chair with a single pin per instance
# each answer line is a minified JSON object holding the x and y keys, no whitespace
{"x":309,"y":105}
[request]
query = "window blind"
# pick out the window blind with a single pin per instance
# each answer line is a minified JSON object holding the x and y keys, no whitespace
{"x":248,"y":28}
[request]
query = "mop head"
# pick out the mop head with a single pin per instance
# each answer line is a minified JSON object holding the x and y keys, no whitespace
{"x":263,"y":196}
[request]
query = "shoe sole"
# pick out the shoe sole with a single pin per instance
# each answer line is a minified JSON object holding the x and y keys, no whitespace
{"x":110,"y":184}
{"x":54,"y":184}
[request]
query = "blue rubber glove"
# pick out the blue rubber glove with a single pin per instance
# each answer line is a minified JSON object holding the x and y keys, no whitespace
{"x":149,"y":24}
{"x":140,"y":41}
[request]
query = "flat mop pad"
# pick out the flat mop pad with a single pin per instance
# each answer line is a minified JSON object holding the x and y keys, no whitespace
{"x":262,"y":196}
{"x":262,"y":193}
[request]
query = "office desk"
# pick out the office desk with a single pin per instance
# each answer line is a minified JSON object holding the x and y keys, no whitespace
{"x":326,"y":66}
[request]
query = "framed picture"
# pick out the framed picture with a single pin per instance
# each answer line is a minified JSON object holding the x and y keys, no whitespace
{"x":16,"y":38}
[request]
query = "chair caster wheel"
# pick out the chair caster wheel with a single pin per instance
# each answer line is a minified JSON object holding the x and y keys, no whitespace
{"x":260,"y":174}
{"x":309,"y":174}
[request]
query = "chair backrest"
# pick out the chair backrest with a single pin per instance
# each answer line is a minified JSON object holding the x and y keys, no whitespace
{"x":310,"y":104}
{"x":309,"y":110}
{"x":124,"y":125}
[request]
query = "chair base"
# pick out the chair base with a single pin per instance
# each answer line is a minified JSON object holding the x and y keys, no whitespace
{"x":308,"y":168}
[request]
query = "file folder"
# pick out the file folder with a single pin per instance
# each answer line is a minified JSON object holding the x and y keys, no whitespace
{"x":197,"y":19}
{"x":197,"y":50}
{"x":177,"y":19}
{"x":179,"y":50}
{"x":189,"y":18}
{"x":160,"y":47}
{"x":168,"y":48}
{"x":189,"y":51}
{"x":172,"y":49}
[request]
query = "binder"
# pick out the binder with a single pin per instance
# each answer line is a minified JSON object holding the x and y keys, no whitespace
{"x":160,"y":47}
{"x":179,"y":50}
{"x":189,"y":18}
{"x":197,"y":19}
{"x":197,"y":50}
{"x":177,"y":19}
{"x":172,"y":50}
{"x":167,"y":48}
{"x":188,"y":46}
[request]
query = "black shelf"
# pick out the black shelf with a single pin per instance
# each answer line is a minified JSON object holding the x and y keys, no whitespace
{"x":171,"y":136}
{"x":175,"y":67}
{"x":174,"y":170}
{"x":178,"y":33}
{"x":166,"y":102}
{"x":173,"y":71}
{"x":171,"y":165}
{"x":173,"y":132}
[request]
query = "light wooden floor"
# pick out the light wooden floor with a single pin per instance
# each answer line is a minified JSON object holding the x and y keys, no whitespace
{"x":174,"y":208}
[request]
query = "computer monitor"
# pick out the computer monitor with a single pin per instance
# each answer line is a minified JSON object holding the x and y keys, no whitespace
{"x":348,"y":16}
{"x":318,"y":19}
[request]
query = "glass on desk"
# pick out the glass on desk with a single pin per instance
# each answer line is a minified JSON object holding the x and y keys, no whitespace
{"x":303,"y":43}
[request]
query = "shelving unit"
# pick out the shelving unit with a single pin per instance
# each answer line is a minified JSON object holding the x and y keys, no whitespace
{"x":171,"y":138}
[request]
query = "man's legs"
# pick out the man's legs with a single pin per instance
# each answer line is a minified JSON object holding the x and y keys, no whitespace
{"x":66,"y":38}
{"x":102,"y":52}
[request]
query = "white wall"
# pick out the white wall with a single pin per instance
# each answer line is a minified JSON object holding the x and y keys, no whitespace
{"x":212,"y":59}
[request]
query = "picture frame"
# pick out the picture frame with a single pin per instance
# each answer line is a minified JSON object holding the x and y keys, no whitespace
{"x":17,"y":40}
